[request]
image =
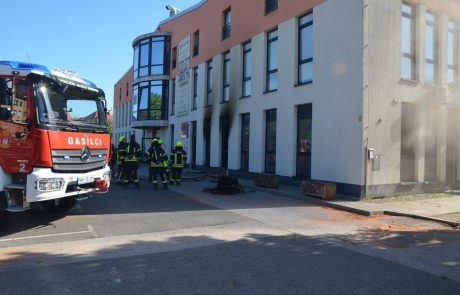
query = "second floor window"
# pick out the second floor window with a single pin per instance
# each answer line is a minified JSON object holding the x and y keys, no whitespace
{"x":226,"y":78}
{"x":452,"y":53}
{"x":208,"y":82}
{"x":430,"y":48}
{"x":272,"y":61}
{"x":174,"y":58}
{"x":270,"y":5}
{"x":408,"y":42}
{"x":306,"y":49}
{"x":196,"y":43}
{"x":227,"y":28}
{"x":173,"y":96}
{"x":247,"y":69}
{"x":195,"y":88}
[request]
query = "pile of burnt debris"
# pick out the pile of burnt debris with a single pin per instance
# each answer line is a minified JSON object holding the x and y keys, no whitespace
{"x":226,"y":185}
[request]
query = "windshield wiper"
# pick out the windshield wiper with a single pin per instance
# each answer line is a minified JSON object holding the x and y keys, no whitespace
{"x":68,"y":125}
{"x":92,"y":127}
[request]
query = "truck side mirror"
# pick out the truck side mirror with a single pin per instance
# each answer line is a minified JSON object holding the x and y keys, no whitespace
{"x":28,"y":124}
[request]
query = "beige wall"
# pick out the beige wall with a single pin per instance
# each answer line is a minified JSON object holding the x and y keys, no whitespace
{"x":385,"y":91}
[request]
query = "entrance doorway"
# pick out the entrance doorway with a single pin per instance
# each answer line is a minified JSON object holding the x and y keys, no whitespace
{"x":304,"y":140}
{"x":224,"y":132}
{"x":193,"y":151}
{"x":453,"y":150}
{"x":407,"y":166}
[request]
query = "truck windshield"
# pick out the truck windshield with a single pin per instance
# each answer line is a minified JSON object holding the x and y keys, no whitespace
{"x":70,"y":106}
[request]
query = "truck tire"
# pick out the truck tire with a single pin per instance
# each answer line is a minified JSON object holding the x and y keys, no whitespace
{"x":59,"y":205}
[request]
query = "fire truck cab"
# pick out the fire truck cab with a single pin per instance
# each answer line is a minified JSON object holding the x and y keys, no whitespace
{"x":54,"y":141}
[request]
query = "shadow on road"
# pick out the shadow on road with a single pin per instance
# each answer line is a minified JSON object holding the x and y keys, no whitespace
{"x":255,"y":264}
{"x":11,"y":223}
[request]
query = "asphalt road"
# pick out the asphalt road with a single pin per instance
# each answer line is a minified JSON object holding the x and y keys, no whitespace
{"x":185,"y":242}
{"x":121,"y":212}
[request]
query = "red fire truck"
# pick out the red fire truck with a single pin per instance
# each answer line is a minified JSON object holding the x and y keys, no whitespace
{"x":54,"y":141}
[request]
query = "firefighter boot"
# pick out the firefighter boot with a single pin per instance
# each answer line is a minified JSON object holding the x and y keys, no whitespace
{"x":155,"y":185}
{"x":165,"y":185}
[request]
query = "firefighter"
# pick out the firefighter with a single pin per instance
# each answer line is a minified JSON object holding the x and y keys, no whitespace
{"x":131,"y":163}
{"x":178,"y":161}
{"x":113,"y":160}
{"x":121,"y":154}
{"x":156,"y":156}
{"x":166,"y":164}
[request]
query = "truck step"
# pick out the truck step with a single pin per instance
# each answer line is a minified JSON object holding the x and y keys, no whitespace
{"x":14,"y":186}
{"x":16,"y":209}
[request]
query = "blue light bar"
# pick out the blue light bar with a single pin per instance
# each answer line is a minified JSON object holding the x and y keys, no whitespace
{"x":90,"y":83}
{"x":20,"y":66}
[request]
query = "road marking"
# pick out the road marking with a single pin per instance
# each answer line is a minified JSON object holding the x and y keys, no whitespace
{"x":45,"y":236}
{"x":92,"y":231}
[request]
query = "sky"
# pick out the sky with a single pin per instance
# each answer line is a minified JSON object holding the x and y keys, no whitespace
{"x":92,"y":37}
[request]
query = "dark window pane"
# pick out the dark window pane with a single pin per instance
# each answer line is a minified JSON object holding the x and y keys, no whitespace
{"x":273,"y":55}
{"x":407,"y":68}
{"x":429,"y":44}
{"x":306,"y":19}
{"x":143,"y":103}
{"x":429,"y":72}
{"x":144,"y":55}
{"x":157,"y":53}
{"x":272,"y":83}
{"x":306,"y":72}
{"x":156,"y":70}
{"x":270,"y":163}
{"x":270,"y":141}
{"x":247,"y":64}
{"x":406,"y":35}
{"x":136,"y":58}
{"x":247,"y":88}
{"x":143,"y":71}
{"x":306,"y":43}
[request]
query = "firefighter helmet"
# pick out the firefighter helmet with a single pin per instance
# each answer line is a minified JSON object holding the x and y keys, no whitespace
{"x":179,"y":143}
{"x":122,"y":138}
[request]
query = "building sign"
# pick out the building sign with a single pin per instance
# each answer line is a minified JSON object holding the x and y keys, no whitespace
{"x":183,"y":79}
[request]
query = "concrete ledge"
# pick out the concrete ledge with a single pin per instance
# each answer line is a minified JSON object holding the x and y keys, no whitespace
{"x":322,"y":190}
{"x":266,"y":180}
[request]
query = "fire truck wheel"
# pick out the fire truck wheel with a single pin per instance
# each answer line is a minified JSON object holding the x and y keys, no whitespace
{"x":59,"y":205}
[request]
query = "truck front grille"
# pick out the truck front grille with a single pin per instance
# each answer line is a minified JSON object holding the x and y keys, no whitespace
{"x":70,"y":160}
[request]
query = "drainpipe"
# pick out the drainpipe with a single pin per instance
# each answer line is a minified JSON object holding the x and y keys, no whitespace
{"x":366,"y":88}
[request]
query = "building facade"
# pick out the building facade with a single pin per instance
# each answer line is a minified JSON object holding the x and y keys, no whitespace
{"x":362,"y":93}
{"x":122,"y":109}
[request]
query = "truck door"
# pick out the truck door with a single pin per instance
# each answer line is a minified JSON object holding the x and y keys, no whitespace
{"x":16,"y":141}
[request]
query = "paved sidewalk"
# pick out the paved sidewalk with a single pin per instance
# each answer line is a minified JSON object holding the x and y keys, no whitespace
{"x":441,"y":207}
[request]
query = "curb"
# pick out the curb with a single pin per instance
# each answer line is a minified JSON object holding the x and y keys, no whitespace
{"x":440,"y":220}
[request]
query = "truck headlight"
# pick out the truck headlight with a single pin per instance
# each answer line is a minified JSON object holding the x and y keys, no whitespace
{"x":106,"y":175}
{"x":50,"y":184}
